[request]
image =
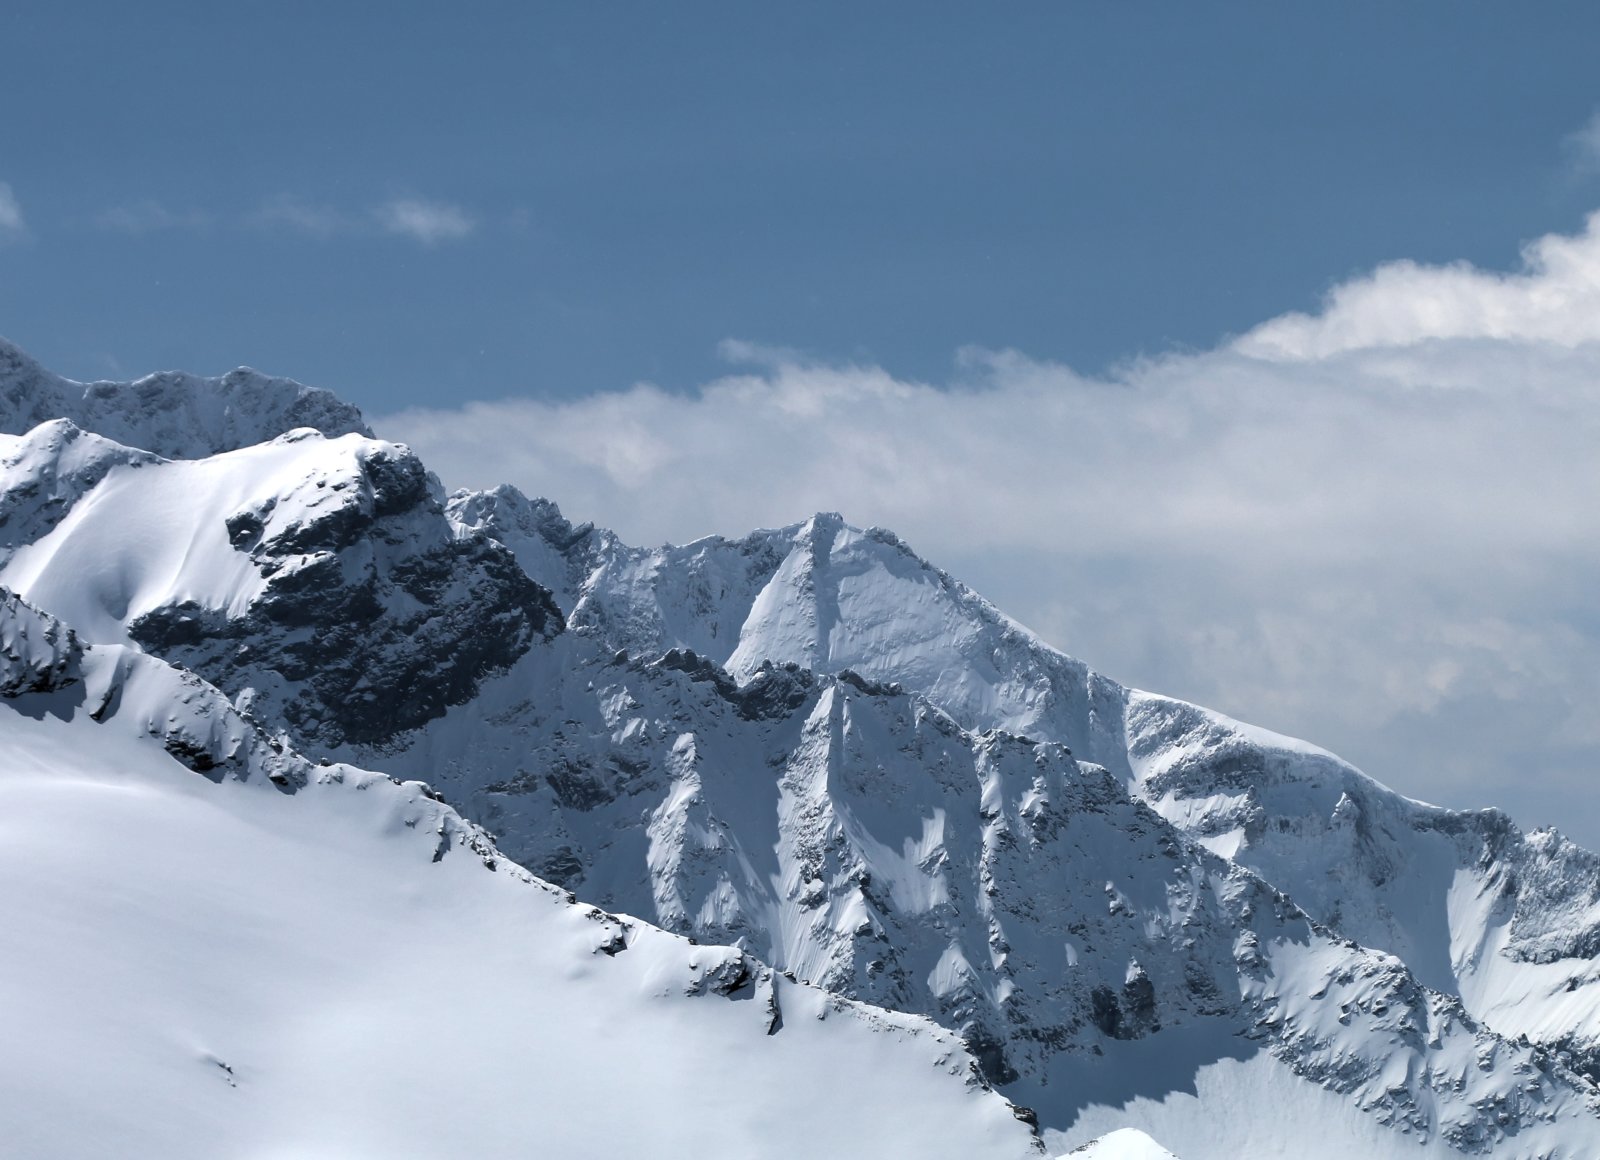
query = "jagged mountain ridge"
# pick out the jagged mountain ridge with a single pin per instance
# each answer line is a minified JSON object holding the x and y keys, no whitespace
{"x":1509,"y":922}
{"x":229,"y":949}
{"x":171,"y":414}
{"x":740,"y":603}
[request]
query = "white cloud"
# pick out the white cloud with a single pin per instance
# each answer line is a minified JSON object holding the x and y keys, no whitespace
{"x":149,"y":216}
{"x":429,"y":222}
{"x":1376,"y":527}
{"x":1555,"y":299}
{"x":11,"y":224}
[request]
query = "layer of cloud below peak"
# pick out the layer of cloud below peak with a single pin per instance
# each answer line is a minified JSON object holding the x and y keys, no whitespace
{"x":1375,"y":527}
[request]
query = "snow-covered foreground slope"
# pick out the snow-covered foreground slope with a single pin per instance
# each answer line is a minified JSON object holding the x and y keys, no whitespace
{"x":213,"y":949}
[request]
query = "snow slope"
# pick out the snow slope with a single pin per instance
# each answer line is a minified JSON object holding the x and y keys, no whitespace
{"x":215,"y":949}
{"x":1123,"y":1144}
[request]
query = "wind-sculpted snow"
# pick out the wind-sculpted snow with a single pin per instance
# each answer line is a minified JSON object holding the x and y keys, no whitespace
{"x":320,"y":574}
{"x":173,"y":415}
{"x":222,"y":948}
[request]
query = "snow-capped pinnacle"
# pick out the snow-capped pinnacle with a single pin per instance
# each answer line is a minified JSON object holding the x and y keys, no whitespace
{"x":173,"y":414}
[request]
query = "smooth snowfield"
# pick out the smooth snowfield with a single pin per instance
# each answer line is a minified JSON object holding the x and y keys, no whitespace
{"x":1123,"y":1144}
{"x":215,"y":970}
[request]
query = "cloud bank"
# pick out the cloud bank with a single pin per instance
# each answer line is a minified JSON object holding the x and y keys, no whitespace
{"x":1377,"y":526}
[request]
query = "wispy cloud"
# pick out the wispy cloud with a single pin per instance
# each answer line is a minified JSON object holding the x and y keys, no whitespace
{"x":150,"y":216}
{"x":429,"y":222}
{"x":1374,"y":526}
{"x":299,"y":215}
{"x":12,"y":226}
{"x":1583,"y":147}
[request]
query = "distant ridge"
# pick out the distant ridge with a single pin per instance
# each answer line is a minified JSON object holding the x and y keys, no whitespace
{"x":174,"y":414}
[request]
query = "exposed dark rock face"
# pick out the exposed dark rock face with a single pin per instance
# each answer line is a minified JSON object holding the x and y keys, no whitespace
{"x":374,"y":618}
{"x":38,"y":654}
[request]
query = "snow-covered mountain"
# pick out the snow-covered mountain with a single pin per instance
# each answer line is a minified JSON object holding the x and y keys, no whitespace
{"x":176,"y":415}
{"x":813,"y":747}
{"x":1508,"y":922}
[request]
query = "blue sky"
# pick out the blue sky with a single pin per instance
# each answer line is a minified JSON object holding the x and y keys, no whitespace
{"x":622,"y":186}
{"x":1250,"y":352}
